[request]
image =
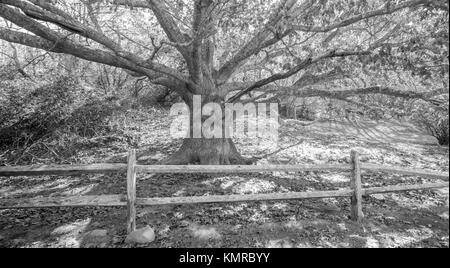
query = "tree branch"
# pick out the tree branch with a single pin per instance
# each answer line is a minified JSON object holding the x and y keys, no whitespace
{"x":344,"y":95}
{"x":302,"y":65}
{"x":122,"y":59}
{"x":133,"y":3}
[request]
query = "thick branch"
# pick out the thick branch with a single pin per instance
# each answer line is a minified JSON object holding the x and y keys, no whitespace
{"x":301,"y":66}
{"x":28,"y":40}
{"x":94,"y":55}
{"x":118,"y":58}
{"x":196,"y":67}
{"x":45,"y":4}
{"x":67,"y":23}
{"x":133,"y":3}
{"x":344,"y":94}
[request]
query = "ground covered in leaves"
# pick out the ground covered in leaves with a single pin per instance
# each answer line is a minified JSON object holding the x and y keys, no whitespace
{"x":414,"y":219}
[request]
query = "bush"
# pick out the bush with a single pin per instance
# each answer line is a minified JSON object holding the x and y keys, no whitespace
{"x":436,"y":124}
{"x":90,"y":119}
{"x":51,"y":122}
{"x":440,"y":130}
{"x":305,"y":113}
{"x":27,"y":117}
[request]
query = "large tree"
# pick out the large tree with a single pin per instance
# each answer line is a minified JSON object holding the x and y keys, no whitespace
{"x":231,"y":48}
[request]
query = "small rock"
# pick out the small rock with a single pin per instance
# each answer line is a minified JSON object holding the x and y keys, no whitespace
{"x":97,"y":233}
{"x":142,"y":236}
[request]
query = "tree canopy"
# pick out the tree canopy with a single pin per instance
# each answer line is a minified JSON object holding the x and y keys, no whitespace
{"x":241,"y":46}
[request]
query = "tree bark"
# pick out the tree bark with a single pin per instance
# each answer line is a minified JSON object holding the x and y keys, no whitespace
{"x":207,"y":152}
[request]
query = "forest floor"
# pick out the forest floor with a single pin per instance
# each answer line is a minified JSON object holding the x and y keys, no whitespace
{"x":414,"y":219}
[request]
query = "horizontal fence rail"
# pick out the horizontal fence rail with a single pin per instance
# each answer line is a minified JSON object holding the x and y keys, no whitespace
{"x":405,"y":171}
{"x":19,"y":171}
{"x":72,"y":201}
{"x":121,"y":200}
{"x":130,"y":200}
{"x":238,"y":169}
{"x":68,"y":170}
{"x":62,"y":170}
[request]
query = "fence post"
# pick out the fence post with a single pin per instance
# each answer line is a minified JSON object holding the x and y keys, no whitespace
{"x":131,"y":192}
{"x":356,"y":200}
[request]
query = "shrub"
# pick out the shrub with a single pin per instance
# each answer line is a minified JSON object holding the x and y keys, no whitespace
{"x":436,"y":123}
{"x":305,"y":112}
{"x":27,"y":117}
{"x":440,"y":130}
{"x":89,"y":120}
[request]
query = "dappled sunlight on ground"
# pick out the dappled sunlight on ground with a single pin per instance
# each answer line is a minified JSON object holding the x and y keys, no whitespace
{"x":241,"y":185}
{"x":70,"y":235}
{"x":46,"y":186}
{"x":339,"y":178}
{"x":280,"y":243}
{"x":374,"y":131}
{"x":254,"y":186}
{"x":205,"y":233}
{"x":414,"y":219}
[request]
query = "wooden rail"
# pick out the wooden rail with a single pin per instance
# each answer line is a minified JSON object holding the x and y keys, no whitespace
{"x":66,"y":170}
{"x":355,"y":192}
{"x":62,"y":170}
{"x":121,"y":200}
{"x":72,"y":170}
{"x":239,"y":169}
{"x":404,"y":171}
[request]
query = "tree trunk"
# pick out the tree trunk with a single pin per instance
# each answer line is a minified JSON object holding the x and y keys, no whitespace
{"x":207,"y":152}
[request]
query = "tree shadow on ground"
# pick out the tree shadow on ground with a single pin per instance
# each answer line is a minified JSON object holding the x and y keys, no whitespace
{"x":391,"y":221}
{"x":374,"y":131}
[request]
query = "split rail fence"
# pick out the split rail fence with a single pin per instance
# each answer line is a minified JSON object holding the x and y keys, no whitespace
{"x":355,"y":191}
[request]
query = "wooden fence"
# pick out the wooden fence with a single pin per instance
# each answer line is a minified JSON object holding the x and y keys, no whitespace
{"x":355,"y":191}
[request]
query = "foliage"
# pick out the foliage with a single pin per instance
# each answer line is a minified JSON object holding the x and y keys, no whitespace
{"x":90,"y":119}
{"x":29,"y":117}
{"x":436,"y":123}
{"x":58,"y":107}
{"x":306,"y":112}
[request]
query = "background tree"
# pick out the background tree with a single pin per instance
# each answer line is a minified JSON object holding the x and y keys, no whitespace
{"x":224,"y":50}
